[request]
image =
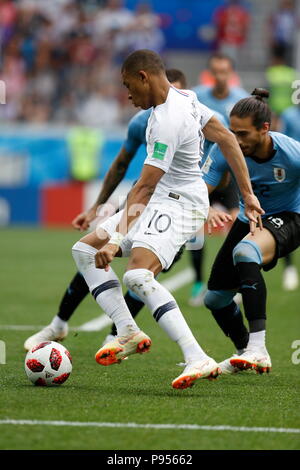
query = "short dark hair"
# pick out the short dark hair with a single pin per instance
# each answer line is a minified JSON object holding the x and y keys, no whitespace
{"x":175,"y":75}
{"x":254,"y":106}
{"x":220,"y":56}
{"x":143,"y":59}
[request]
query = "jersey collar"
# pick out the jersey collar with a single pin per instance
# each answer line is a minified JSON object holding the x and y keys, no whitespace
{"x":259,"y":160}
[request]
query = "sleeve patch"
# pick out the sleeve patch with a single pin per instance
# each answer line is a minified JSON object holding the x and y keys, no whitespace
{"x":206,"y":167}
{"x":159,"y":151}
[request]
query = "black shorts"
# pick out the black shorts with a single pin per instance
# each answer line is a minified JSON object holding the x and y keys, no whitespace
{"x":285,"y":228}
{"x":228,"y":197}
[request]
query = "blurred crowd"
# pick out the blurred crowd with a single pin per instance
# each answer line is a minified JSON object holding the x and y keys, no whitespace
{"x":60,"y":59}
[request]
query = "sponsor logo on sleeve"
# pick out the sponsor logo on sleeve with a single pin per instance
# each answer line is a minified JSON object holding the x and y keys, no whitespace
{"x":160,"y":150}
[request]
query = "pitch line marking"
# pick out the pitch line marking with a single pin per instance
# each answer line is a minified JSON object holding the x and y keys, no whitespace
{"x":190,"y":427}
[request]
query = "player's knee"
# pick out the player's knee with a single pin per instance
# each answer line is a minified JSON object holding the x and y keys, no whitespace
{"x":247,"y":251}
{"x":217,"y":299}
{"x":75,"y":247}
{"x":83,"y":254}
{"x":136,"y":279}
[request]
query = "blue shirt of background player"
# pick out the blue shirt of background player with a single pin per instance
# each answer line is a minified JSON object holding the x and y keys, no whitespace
{"x":223,"y":106}
{"x":291,"y":122}
{"x":136,"y":134}
{"x":275,"y":181}
{"x":208,"y":143}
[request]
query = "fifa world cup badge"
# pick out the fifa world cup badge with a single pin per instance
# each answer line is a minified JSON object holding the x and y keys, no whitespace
{"x":279,"y":174}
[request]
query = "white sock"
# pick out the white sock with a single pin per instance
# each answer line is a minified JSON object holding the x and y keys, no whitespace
{"x":105,"y":288}
{"x":165,"y":311}
{"x":58,"y":324}
{"x":257,"y":340}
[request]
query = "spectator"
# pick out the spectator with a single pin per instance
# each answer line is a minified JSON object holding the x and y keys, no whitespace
{"x":280,"y":78}
{"x":8,"y":16}
{"x":13,"y":74}
{"x":56,"y":53}
{"x":144,"y":31}
{"x":221,"y":96}
{"x":232,"y":24}
{"x":101,"y":108}
{"x":290,"y":122}
{"x":283,"y":25}
{"x":109,"y":26}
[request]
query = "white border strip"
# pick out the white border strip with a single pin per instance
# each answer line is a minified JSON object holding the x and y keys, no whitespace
{"x":190,"y":427}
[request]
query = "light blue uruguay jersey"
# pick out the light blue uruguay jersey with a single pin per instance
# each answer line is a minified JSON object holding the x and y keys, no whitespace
{"x":275,"y":181}
{"x":136,"y":133}
{"x":290,"y":119}
{"x":223,"y":106}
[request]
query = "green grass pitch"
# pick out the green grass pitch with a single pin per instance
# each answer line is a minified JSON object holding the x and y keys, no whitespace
{"x":36,"y":266}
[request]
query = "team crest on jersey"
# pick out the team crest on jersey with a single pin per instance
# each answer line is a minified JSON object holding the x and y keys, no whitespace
{"x":279,"y":174}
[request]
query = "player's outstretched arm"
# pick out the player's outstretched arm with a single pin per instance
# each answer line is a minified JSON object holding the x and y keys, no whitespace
{"x":217,"y":219}
{"x":137,"y":200}
{"x":216,"y":132}
{"x":113,"y":177}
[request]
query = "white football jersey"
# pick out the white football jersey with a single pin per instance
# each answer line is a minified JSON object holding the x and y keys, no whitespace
{"x":175,"y":143}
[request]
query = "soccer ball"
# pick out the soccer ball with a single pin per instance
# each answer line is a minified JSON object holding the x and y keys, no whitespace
{"x":48,"y":364}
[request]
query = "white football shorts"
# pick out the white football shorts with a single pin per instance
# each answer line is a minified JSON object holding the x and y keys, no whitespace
{"x":162,"y":228}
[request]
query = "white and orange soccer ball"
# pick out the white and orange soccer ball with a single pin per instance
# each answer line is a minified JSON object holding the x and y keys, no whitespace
{"x":48,"y":364}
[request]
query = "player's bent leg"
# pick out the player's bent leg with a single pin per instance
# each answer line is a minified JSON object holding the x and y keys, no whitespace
{"x":256,"y":359}
{"x":168,"y":315}
{"x":199,"y":287}
{"x":265,"y":242}
{"x":97,"y":239}
{"x":76,"y":291}
{"x":134,"y":304}
{"x":52,"y":332}
{"x":206,"y":369}
{"x":248,"y":257}
{"x":229,"y":318}
{"x":74,"y":294}
{"x":121,"y":347}
{"x":106,"y":289}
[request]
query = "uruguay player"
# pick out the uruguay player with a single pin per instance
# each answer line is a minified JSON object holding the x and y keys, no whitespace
{"x":221,"y":97}
{"x":274,"y":167}
{"x":290,"y":119}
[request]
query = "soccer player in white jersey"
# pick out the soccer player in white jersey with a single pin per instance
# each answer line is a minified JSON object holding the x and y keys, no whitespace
{"x":173,"y":200}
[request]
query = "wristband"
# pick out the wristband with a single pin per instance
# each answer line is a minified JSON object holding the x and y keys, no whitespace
{"x":116,"y":238}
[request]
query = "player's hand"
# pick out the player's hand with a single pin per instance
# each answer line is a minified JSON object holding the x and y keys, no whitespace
{"x":105,"y":256}
{"x":253,"y":212}
{"x":217,"y":219}
{"x":83,"y":220}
